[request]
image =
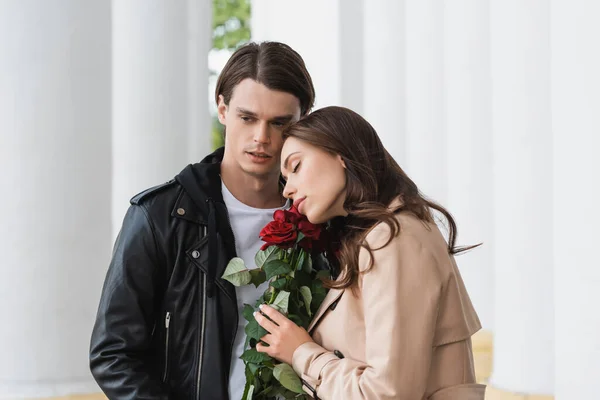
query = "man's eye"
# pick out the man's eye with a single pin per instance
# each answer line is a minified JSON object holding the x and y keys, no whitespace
{"x":246,"y":119}
{"x":278,"y":124}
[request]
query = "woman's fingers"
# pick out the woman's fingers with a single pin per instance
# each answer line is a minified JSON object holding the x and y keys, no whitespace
{"x":263,"y":349}
{"x":272,"y":313}
{"x":265,"y":322}
{"x":268,"y":339}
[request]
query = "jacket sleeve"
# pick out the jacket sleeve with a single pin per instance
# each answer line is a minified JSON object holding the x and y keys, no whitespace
{"x":400,"y":297}
{"x":126,"y":314}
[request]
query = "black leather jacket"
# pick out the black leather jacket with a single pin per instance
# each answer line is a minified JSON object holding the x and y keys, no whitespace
{"x":166,"y":321}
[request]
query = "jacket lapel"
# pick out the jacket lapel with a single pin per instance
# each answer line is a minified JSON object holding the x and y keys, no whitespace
{"x":332,"y":296}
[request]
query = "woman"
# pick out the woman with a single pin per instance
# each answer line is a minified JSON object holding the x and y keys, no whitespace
{"x":397,"y":322}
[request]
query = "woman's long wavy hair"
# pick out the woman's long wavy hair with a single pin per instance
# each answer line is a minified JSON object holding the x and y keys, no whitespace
{"x":373,"y":181}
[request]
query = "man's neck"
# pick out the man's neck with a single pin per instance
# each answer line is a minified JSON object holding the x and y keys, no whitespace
{"x":251,"y":190}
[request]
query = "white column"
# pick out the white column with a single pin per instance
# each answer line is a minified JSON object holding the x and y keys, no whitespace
{"x":55,"y":219}
{"x":425,"y":141}
{"x":160,"y":105}
{"x":524,"y":301}
{"x":576,"y":128}
{"x":328,"y":36}
{"x":385,"y":73}
{"x":468,"y":124}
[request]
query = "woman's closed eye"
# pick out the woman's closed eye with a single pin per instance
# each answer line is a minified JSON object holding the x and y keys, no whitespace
{"x":295,"y":169}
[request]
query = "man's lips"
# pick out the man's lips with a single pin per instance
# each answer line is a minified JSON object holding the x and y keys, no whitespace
{"x":259,"y":154}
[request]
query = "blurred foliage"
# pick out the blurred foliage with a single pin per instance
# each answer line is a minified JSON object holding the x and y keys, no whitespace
{"x":231,"y":28}
{"x":217,"y":133}
{"x":231,"y":23}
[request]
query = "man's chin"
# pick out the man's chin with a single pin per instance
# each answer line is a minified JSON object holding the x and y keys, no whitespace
{"x":261,"y":170}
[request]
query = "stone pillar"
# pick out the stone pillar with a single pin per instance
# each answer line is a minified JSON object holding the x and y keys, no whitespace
{"x":55,"y":157}
{"x":385,"y":73}
{"x":160,"y":102}
{"x":523,"y":189}
{"x":468,"y":125}
{"x":575,"y":132}
{"x":328,"y":35}
{"x":425,"y":140}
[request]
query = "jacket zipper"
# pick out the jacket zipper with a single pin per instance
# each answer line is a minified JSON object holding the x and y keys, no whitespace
{"x":237,"y":316}
{"x":167,"y":323}
{"x":202,"y":328}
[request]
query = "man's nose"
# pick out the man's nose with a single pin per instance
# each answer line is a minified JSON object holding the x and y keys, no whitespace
{"x":262,"y":135}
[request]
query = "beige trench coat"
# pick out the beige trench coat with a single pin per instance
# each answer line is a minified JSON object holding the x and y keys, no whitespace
{"x":405,"y":334}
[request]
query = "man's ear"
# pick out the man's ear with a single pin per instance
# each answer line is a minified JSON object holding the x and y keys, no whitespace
{"x":222,"y":109}
{"x":341,"y":160}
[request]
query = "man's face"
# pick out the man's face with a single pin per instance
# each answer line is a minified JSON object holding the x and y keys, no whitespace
{"x":254,"y":120}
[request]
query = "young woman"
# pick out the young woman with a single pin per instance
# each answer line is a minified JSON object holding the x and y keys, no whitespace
{"x":397,"y":322}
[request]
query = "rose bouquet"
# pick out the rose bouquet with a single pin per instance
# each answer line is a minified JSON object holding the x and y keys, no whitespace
{"x":293,"y":261}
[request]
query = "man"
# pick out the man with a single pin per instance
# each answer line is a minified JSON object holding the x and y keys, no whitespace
{"x":168,"y":326}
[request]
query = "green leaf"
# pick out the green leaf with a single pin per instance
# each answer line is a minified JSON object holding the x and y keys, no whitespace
{"x":279,"y":283}
{"x":236,"y":272}
{"x":253,"y":356}
{"x":257,"y":277}
{"x":270,"y":253}
{"x":308,"y":265}
{"x":266,"y":374}
{"x":252,"y":368}
{"x":282,"y":301}
{"x":300,"y":237}
{"x":307,"y":296}
{"x":276,"y":267}
{"x":285,"y":374}
{"x":247,"y":312}
{"x":254,"y":330}
{"x":301,"y":260}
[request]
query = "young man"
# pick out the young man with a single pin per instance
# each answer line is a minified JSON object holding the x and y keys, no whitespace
{"x":168,"y":326}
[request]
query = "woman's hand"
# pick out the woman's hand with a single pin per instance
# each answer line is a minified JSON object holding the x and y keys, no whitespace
{"x":284,"y":337}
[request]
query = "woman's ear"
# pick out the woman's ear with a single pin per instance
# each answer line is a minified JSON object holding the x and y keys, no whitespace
{"x":341,"y":160}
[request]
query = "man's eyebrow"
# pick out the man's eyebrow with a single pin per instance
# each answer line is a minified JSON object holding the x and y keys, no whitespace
{"x":280,"y":118}
{"x":285,"y":163}
{"x":247,"y":112}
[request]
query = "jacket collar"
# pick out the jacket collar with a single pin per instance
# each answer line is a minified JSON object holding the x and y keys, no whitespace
{"x":200,"y":182}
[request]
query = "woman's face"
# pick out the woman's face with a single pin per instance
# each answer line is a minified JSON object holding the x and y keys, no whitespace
{"x":316,"y":180}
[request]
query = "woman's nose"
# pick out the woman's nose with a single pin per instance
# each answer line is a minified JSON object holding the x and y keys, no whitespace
{"x":288,"y":192}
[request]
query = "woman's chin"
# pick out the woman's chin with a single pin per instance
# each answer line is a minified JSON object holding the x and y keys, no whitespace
{"x":314,"y":219}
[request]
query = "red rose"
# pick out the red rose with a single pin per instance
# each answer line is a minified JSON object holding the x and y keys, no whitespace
{"x":295,"y":216}
{"x":278,"y":233}
{"x":310,"y":230}
{"x":311,"y":233}
{"x":279,"y":215}
{"x":292,"y":216}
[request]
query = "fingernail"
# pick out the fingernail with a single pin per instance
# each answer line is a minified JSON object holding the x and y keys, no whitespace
{"x":254,"y":313}
{"x":261,"y":306}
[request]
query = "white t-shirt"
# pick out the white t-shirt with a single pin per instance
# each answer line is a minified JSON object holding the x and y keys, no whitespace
{"x":246,"y":223}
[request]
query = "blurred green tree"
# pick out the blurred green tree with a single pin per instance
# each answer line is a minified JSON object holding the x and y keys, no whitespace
{"x":231,"y":28}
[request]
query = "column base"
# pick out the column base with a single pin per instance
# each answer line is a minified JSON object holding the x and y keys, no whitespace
{"x":48,"y":390}
{"x":493,"y":393}
{"x":482,"y":355}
